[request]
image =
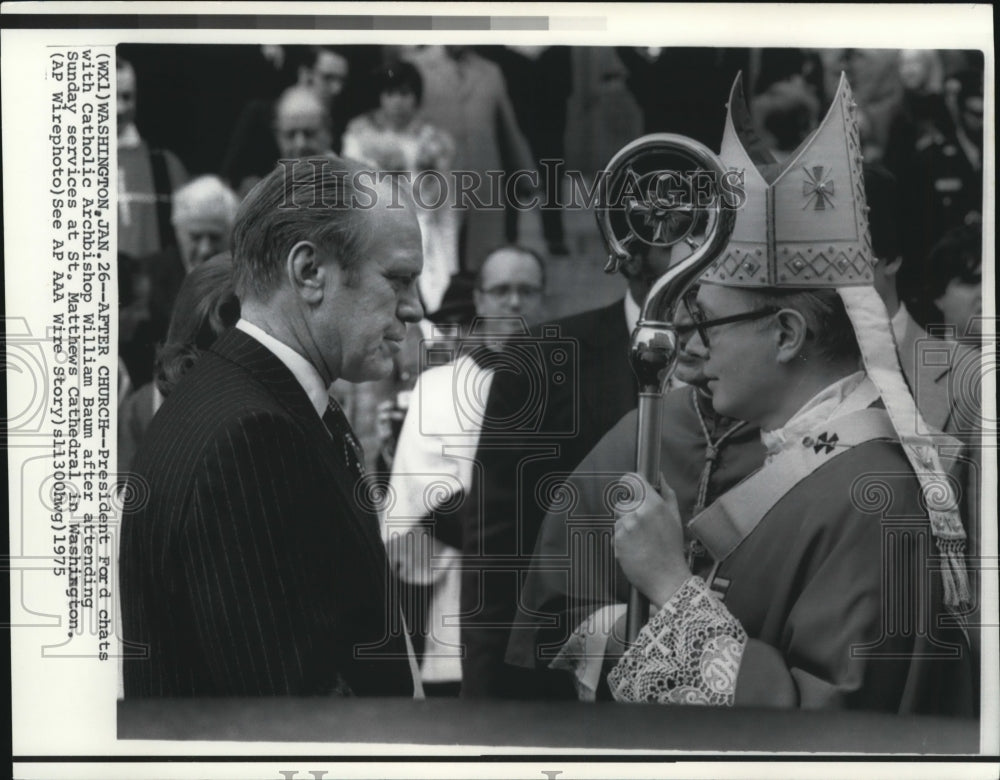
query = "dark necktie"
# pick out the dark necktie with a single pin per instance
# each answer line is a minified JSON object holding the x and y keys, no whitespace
{"x":354,"y":461}
{"x":344,"y":440}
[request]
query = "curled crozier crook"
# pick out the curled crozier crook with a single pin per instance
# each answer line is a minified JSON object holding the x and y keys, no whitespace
{"x":663,"y":192}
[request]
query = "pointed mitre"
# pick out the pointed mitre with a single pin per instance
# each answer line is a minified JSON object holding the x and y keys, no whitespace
{"x":804,"y":223}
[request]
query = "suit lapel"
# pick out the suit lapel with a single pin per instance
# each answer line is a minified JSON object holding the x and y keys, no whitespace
{"x":242,"y":349}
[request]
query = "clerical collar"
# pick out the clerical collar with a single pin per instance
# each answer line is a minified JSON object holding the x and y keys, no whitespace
{"x":852,"y":392}
{"x":303,"y":371}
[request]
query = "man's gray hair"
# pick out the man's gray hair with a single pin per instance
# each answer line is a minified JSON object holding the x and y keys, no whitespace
{"x":830,"y":329}
{"x":312,"y":199}
{"x":206,"y":196}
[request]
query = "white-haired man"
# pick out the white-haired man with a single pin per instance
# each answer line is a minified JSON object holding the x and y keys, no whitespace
{"x":202,"y":218}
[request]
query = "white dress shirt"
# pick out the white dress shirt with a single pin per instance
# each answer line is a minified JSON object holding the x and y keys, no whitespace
{"x":303,"y":371}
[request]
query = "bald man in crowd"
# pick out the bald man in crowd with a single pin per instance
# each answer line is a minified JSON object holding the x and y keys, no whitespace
{"x":254,"y":148}
{"x":301,"y":124}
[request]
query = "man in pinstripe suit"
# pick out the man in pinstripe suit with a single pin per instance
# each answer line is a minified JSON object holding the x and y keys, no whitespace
{"x":254,"y":567}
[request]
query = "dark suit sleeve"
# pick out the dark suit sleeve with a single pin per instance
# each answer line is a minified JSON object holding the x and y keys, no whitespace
{"x":551,"y":608}
{"x":252,"y":547}
{"x":489,"y":521}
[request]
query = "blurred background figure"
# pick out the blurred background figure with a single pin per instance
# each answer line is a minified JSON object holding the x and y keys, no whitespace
{"x":202,"y":219}
{"x":393,"y":138}
{"x":540,"y":82}
{"x":206,"y":307}
{"x":874,"y":78}
{"x":302,"y":125}
{"x":942,"y":187}
{"x":953,"y":285}
{"x":922,"y":113}
{"x":445,"y":416}
{"x":134,"y":365}
{"x":147,"y":178}
{"x":466,"y":95}
{"x":203,"y":216}
{"x":325,"y":71}
{"x":784,"y":116}
{"x":677,"y":87}
{"x":254,"y":148}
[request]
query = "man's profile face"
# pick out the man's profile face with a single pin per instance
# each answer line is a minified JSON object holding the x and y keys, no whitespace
{"x":511,"y":287}
{"x":200,"y":238}
{"x":363,"y":322}
{"x":328,"y":75}
{"x":300,"y":130}
{"x":690,"y":367}
{"x":739,"y":362}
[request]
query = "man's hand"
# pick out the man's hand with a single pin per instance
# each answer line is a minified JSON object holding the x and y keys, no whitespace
{"x":649,"y":541}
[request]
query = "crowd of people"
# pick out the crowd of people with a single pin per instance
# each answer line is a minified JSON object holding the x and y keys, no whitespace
{"x":358,"y":426}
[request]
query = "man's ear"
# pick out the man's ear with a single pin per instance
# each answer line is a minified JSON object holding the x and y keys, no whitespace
{"x":791,"y":332}
{"x":306,"y":274}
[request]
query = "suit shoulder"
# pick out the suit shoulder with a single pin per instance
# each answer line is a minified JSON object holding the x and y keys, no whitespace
{"x":216,"y":398}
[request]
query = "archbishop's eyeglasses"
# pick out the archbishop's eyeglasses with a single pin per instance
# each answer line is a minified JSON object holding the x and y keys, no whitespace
{"x":505,"y":291}
{"x":701,"y":324}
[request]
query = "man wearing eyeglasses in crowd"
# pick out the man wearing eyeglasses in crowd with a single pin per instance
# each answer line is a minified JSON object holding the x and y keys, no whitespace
{"x":540,"y":421}
{"x":435,"y":449}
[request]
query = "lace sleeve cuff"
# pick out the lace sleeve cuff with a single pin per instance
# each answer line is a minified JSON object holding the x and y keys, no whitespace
{"x":688,"y":653}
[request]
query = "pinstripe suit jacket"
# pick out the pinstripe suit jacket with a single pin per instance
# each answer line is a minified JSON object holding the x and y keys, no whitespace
{"x":250,"y":569}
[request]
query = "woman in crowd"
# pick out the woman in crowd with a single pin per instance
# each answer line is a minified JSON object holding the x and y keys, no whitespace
{"x":394,"y":138}
{"x":206,"y":307}
{"x":922,"y":112}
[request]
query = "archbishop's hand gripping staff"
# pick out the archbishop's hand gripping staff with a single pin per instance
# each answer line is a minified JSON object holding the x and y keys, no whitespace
{"x":662,"y":191}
